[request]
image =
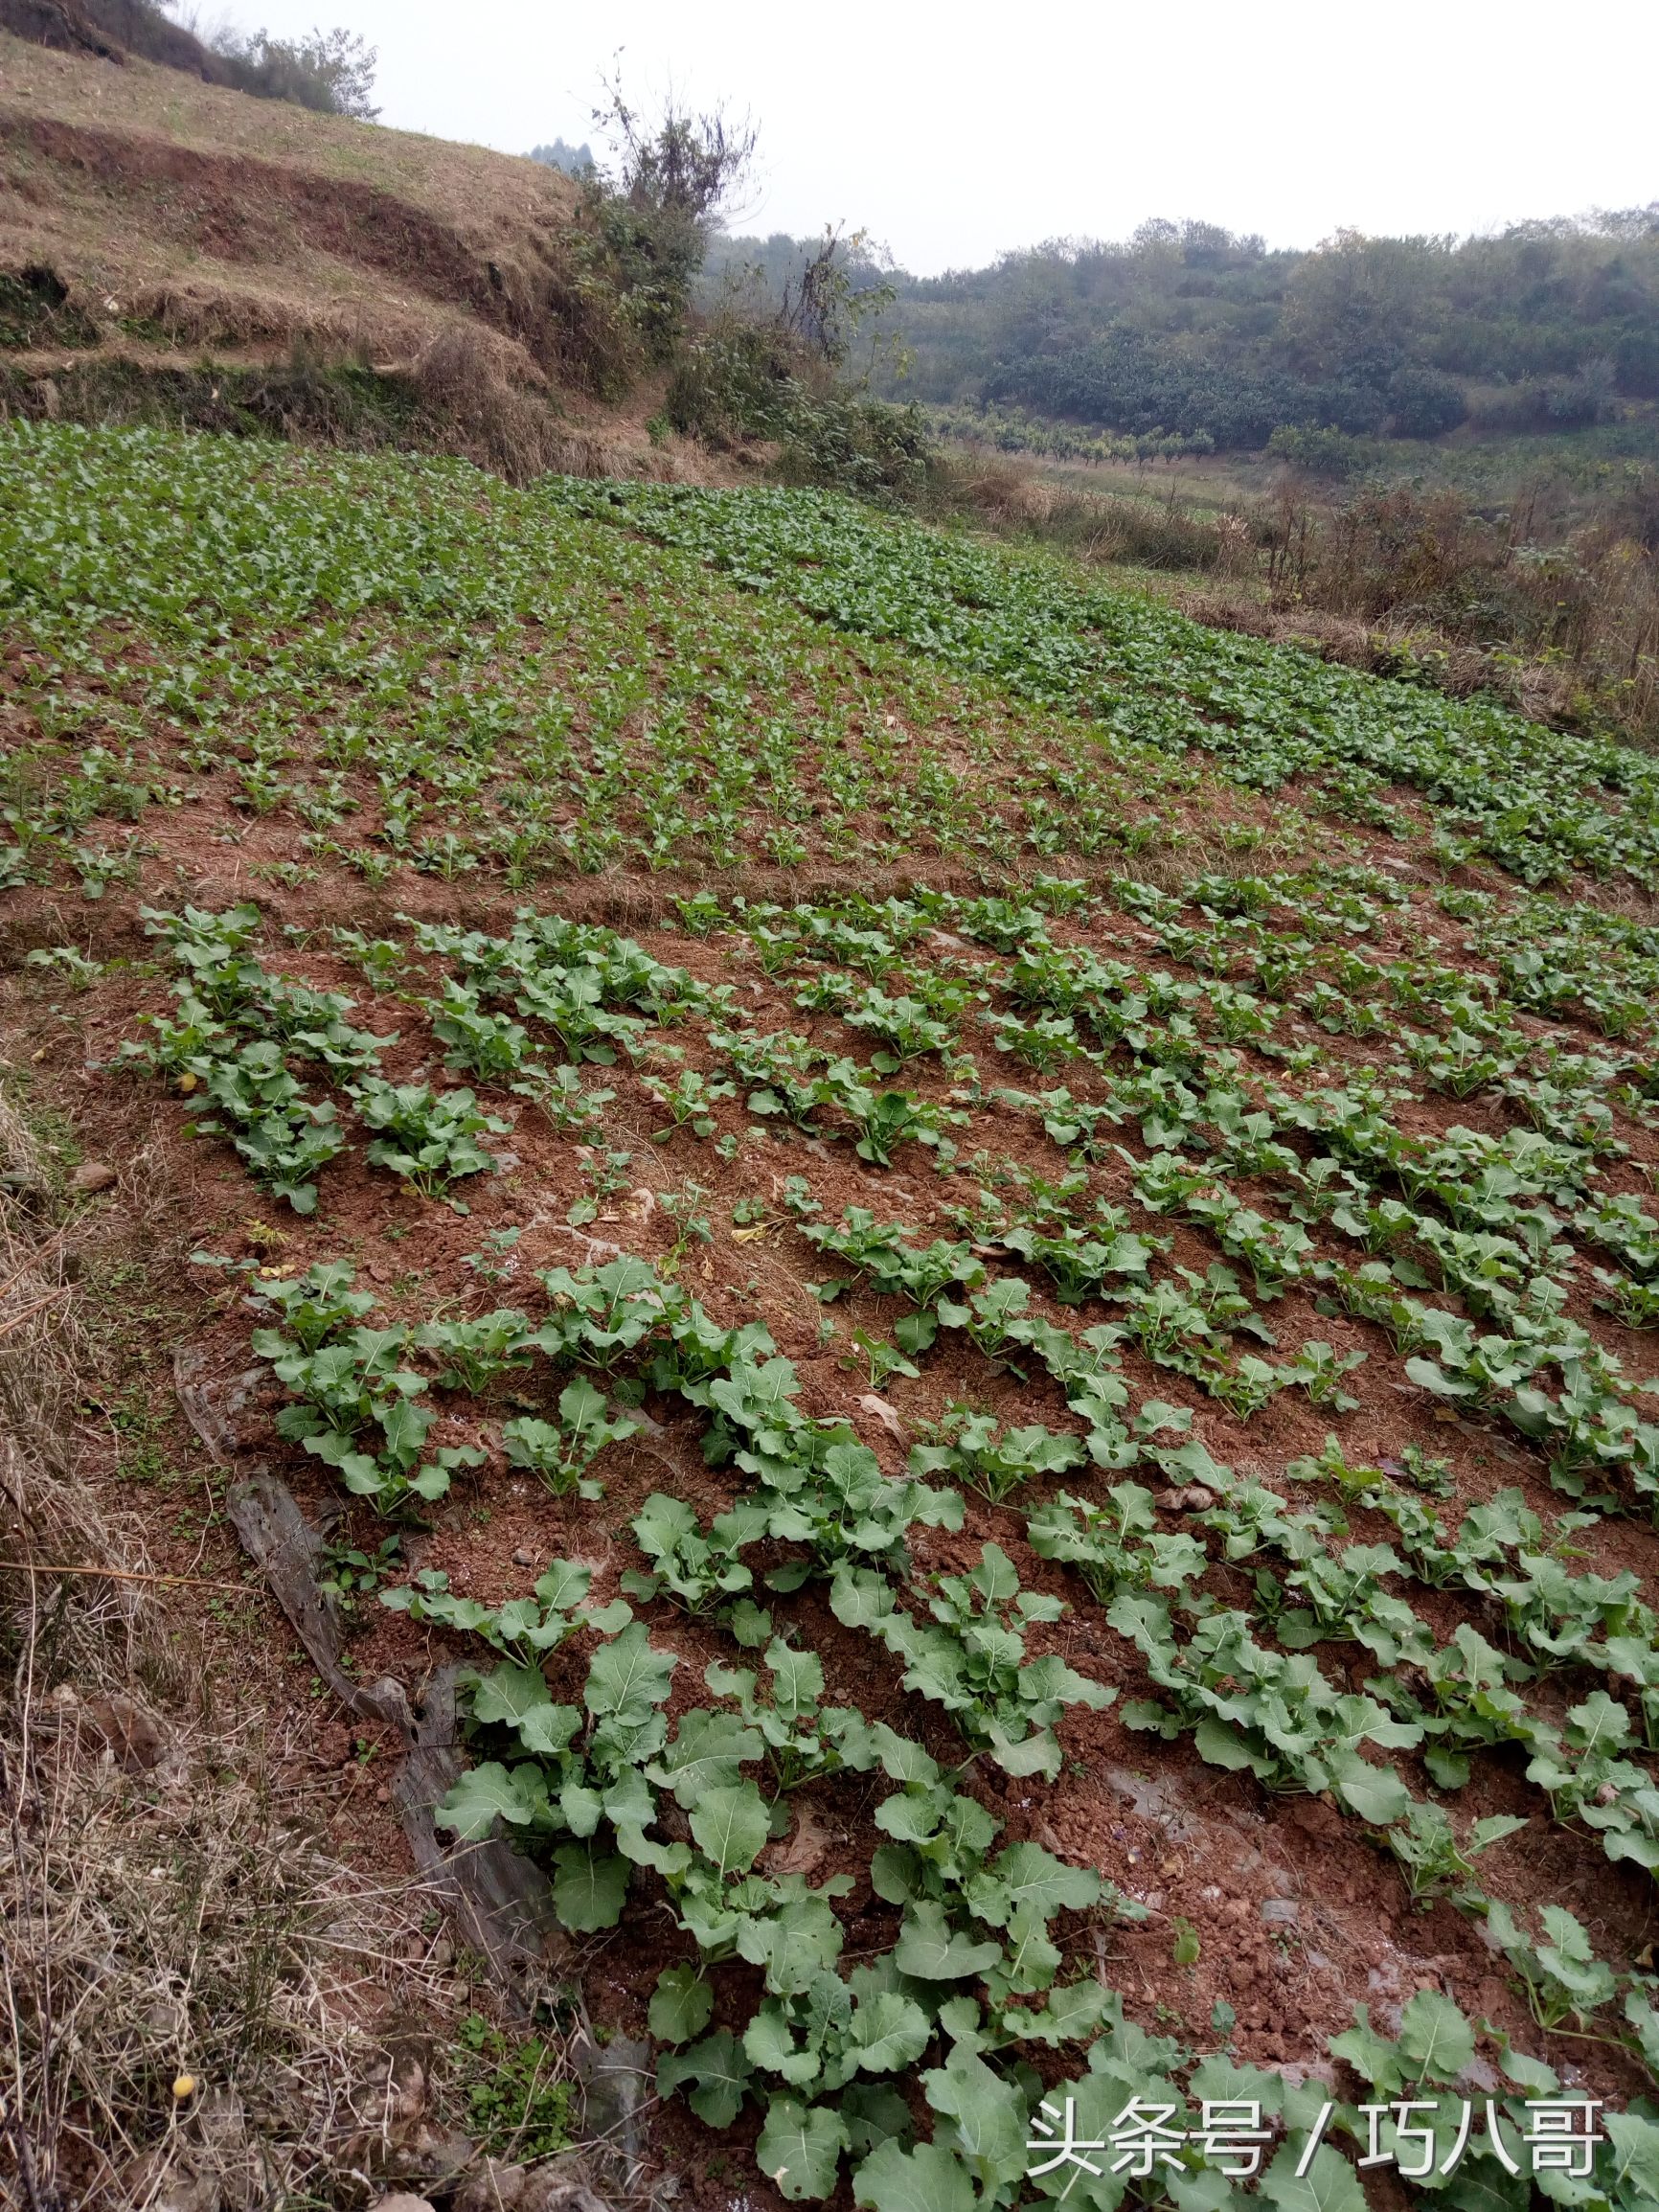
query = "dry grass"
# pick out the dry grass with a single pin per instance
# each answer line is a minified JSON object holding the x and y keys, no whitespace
{"x":199,"y":231}
{"x":487,"y":196}
{"x":170,"y":1913}
{"x":462,"y":379}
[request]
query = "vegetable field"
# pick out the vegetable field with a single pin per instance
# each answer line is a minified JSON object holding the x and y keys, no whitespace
{"x":992,"y":1262}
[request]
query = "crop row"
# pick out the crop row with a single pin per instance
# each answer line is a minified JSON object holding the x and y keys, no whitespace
{"x":1541,"y":804}
{"x":984,"y":1953}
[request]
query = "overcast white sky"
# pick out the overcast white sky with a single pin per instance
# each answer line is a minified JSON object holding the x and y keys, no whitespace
{"x":952,"y":132}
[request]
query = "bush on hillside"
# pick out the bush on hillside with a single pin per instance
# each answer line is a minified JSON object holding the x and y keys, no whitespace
{"x":331,"y":72}
{"x":742,"y":381}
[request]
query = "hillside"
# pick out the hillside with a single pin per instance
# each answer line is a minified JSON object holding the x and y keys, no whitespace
{"x":853,"y":1312}
{"x":818,"y":1347}
{"x":151,"y":223}
{"x":1188,"y":331}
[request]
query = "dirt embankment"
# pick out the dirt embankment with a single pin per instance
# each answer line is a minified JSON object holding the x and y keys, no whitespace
{"x":187,"y":213}
{"x":174,"y":249}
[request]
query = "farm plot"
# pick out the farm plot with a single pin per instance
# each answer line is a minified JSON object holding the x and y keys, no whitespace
{"x":1044,"y":1469}
{"x":1541,"y":805}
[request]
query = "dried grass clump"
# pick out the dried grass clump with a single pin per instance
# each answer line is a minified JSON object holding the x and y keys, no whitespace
{"x":200,"y":2004}
{"x":460,"y":381}
{"x":200,"y":1998}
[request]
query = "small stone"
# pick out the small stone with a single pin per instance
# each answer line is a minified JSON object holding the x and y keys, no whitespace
{"x":382,"y":1796}
{"x":615,"y":2077}
{"x":524,"y":1556}
{"x":439,"y":2152}
{"x":402,"y":2201}
{"x":562,"y":2186}
{"x":1281,"y":1911}
{"x":136,"y":1738}
{"x":497,"y":2187}
{"x":91,"y":1175}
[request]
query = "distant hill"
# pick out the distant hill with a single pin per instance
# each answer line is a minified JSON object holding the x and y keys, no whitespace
{"x":1192,"y":329}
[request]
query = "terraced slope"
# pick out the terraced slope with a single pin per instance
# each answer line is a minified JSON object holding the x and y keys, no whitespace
{"x":190,"y":216}
{"x":994,"y":1260}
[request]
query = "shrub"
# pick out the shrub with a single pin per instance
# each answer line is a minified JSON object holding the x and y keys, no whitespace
{"x":331,"y":72}
{"x":1423,"y":403}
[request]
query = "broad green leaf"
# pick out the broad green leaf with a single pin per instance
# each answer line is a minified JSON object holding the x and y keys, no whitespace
{"x":1371,"y":2056}
{"x":626,"y":1679}
{"x":927,"y":1948}
{"x":707,"y":1752}
{"x":1435,"y":2037}
{"x":1220,"y":1745}
{"x":731,"y":1827}
{"x":1377,"y":1793}
{"x":925,"y":2179}
{"x":1481,"y":2184}
{"x":796,"y":1943}
{"x":1027,"y":1878}
{"x":799,"y":2148}
{"x":996,"y":1577}
{"x":1644,"y":2019}
{"x":1483,"y":1833}
{"x":563,"y":1585}
{"x":518,"y":1697}
{"x":482,"y":1795}
{"x":888,"y":2032}
{"x":874,"y":2113}
{"x":589,"y":1887}
{"x":1600,"y":1725}
{"x":769,"y":2044}
{"x":721,"y":2070}
{"x":983,"y":2115}
{"x":1330,"y":2183}
{"x":1633,"y":2166}
{"x":859,"y":1597}
{"x":1039,"y":1753}
{"x":797,"y":1676}
{"x":680,"y":2004}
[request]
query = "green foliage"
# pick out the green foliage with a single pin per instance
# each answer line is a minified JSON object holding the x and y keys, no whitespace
{"x":519,"y":2105}
{"x":973,"y":1663}
{"x":427,"y":1138}
{"x":1436,"y":1863}
{"x":698,"y":1571}
{"x":803,"y":1739}
{"x":1524,"y":798}
{"x":993,"y":1460}
{"x":313,"y":640}
{"x":559,"y":1453}
{"x":526,"y":1628}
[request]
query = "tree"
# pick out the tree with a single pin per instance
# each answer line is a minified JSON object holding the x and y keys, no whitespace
{"x":574,"y":160}
{"x":329,"y":71}
{"x":1423,"y":403}
{"x":835,"y":291}
{"x":683,"y":167}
